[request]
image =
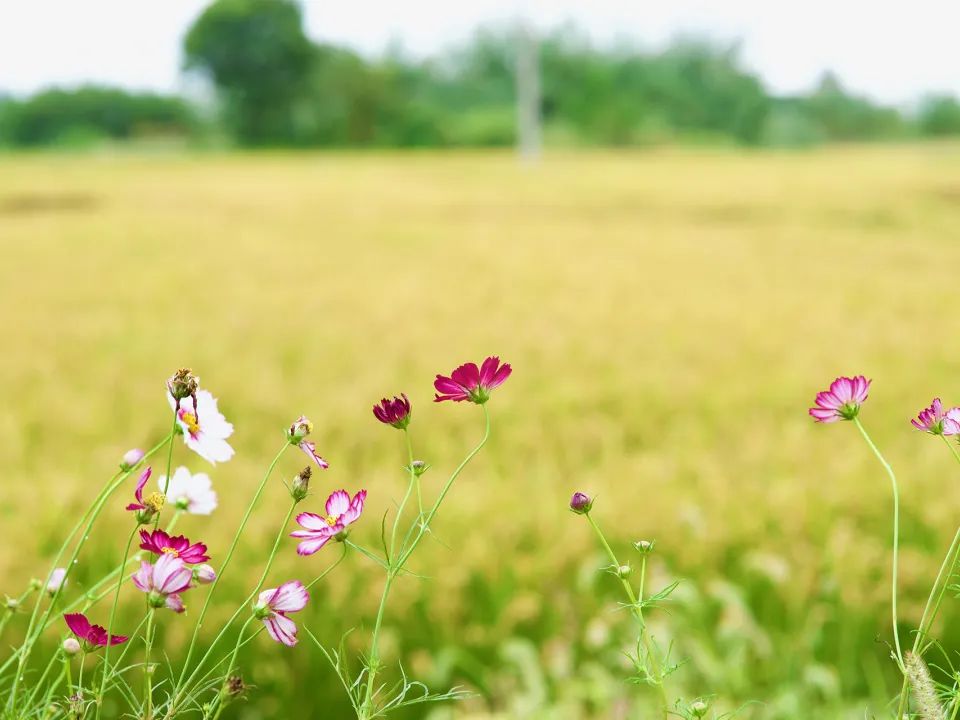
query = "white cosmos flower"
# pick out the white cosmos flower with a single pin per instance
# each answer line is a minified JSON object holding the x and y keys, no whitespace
{"x":205,"y":430}
{"x":193,"y":493}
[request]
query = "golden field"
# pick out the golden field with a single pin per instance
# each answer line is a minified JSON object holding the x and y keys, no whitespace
{"x":669,"y":316}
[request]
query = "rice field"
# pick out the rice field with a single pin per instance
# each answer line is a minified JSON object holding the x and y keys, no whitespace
{"x":669,"y":316}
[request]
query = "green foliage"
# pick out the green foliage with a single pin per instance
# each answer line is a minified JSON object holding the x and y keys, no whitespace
{"x":939,"y":115}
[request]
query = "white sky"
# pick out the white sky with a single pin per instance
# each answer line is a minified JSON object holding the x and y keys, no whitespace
{"x":892,"y":51}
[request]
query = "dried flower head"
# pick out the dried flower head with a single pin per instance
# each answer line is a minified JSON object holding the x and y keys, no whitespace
{"x":183,"y":384}
{"x":924,"y":690}
{"x":300,"y":487}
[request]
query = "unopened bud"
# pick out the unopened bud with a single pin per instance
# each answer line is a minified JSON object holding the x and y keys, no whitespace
{"x":35,"y":583}
{"x":419,"y":467}
{"x":71,"y":646}
{"x":300,"y":428}
{"x":56,"y":581}
{"x":130,"y":459}
{"x":624,"y":571}
{"x":204,"y":574}
{"x":12,"y":604}
{"x":581,"y":503}
{"x":183,"y":383}
{"x":698,"y":708}
{"x":644,"y":547}
{"x":300,"y":487}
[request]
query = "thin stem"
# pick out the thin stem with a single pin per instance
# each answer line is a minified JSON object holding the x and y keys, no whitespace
{"x":223,"y":567}
{"x":413,"y":473}
{"x":147,"y":669}
{"x":396,"y":565}
{"x":896,"y":537}
{"x":637,"y":612}
{"x":166,"y":479}
{"x":218,"y":701}
{"x":113,"y":613}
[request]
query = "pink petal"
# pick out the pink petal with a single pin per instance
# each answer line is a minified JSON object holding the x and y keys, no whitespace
{"x":311,"y":521}
{"x":309,"y":547}
{"x":175,"y":603}
{"x":502,"y":374}
{"x":337,"y":503}
{"x":282,"y":629}
{"x":488,"y":370}
{"x":78,"y":624}
{"x":292,"y":596}
{"x":467,"y":376}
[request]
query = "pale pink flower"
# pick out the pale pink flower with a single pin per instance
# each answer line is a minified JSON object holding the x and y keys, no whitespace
{"x":205,"y":430}
{"x":297,"y":435}
{"x":191,"y":492}
{"x":342,"y":511}
{"x":936,"y":421}
{"x":163,"y":581}
{"x":842,"y":401}
{"x":204,"y":574}
{"x":274,"y":604}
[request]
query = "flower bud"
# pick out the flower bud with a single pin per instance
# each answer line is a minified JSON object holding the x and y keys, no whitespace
{"x":581,"y":503}
{"x":35,"y":583}
{"x":56,"y":581}
{"x":300,"y":487}
{"x":235,"y":686}
{"x":71,"y":646}
{"x":204,"y":574}
{"x":12,"y":604}
{"x":698,"y":708}
{"x":419,"y":467}
{"x":644,"y":547}
{"x":299,"y":429}
{"x":130,"y":459}
{"x":183,"y":383}
{"x":623,"y":571}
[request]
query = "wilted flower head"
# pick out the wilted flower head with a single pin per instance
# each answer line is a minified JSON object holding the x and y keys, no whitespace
{"x":163,"y":581}
{"x":842,"y":401}
{"x":131,"y":458}
{"x":300,"y":487}
{"x":937,"y":422}
{"x":341,"y":513}
{"x":274,"y":604}
{"x":183,"y":384}
{"x":145,"y":508}
{"x":468,"y":382}
{"x":205,"y":429}
{"x":581,"y":503}
{"x":160,"y":543}
{"x":395,"y":412}
{"x":92,"y":636}
{"x":191,"y":492}
{"x":204,"y":574}
{"x":299,"y":429}
{"x":56,"y":580}
{"x":235,"y":686}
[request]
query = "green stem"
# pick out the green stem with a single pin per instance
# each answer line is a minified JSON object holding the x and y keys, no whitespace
{"x":396,"y":565}
{"x":637,"y":611}
{"x":166,"y":479}
{"x":896,"y":536}
{"x":147,"y":668}
{"x":233,"y":546}
{"x":113,"y":614}
{"x":218,"y":703}
{"x":413,"y":474}
{"x":90,"y":517}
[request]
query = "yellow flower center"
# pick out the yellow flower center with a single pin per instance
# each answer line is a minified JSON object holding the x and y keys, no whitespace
{"x":331,"y":520}
{"x":170,"y":551}
{"x":190,"y":420}
{"x":154,"y":501}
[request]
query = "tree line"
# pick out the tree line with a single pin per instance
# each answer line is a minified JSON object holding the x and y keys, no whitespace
{"x":273,"y":86}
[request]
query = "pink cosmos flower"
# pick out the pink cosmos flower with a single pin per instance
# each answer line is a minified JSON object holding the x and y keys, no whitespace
{"x":274,"y":604}
{"x":341,"y":513}
{"x":160,"y":543}
{"x":842,"y":401}
{"x":937,"y":422}
{"x":92,"y":636}
{"x":297,"y":434}
{"x":394,"y":412}
{"x":205,"y":430}
{"x":468,"y":382}
{"x":163,"y":582}
{"x":193,"y":493}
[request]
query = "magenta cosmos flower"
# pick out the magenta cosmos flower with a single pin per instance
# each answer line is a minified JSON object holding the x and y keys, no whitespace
{"x":394,"y":412}
{"x":205,"y":429}
{"x":163,"y":581}
{"x":297,"y":434}
{"x":92,"y":636}
{"x":468,"y":382}
{"x":160,"y":543}
{"x":842,"y":401}
{"x":937,"y":422}
{"x":341,"y":512}
{"x":274,"y":604}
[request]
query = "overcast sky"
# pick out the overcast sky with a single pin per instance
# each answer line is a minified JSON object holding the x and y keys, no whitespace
{"x":893,"y":51}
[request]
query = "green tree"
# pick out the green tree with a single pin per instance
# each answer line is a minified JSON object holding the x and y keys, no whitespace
{"x":257,"y":55}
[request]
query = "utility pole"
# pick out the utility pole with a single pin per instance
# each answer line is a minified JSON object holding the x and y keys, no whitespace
{"x":528,"y":94}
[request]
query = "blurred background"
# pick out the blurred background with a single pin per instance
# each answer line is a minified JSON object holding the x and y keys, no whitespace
{"x":676,"y":223}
